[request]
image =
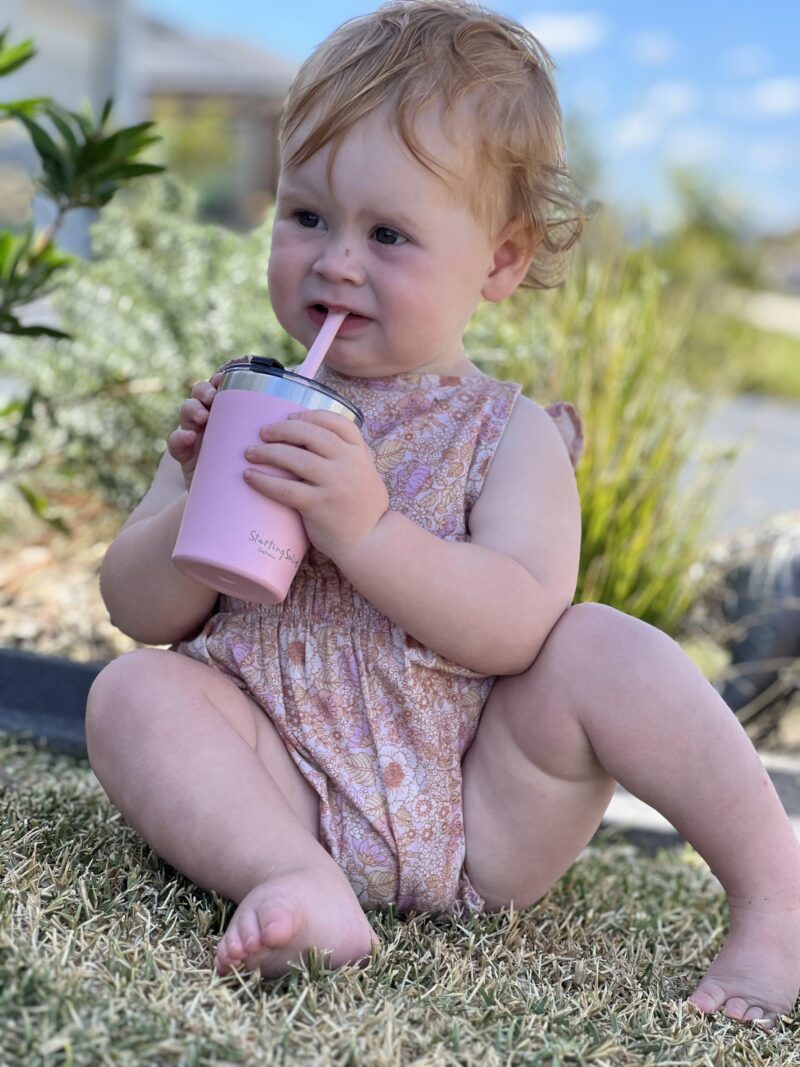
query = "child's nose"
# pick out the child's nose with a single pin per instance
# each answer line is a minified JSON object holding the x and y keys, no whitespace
{"x":338,"y":262}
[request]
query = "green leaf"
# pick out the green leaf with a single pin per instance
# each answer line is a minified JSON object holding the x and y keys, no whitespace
{"x":59,"y":119}
{"x":29,"y":107}
{"x":85,"y":124}
{"x":54,"y":160}
{"x":41,"y":331}
{"x":131,"y":170}
{"x":13,"y":407}
{"x":9,"y":324}
{"x":106,"y":112}
{"x":39,"y":506}
{"x":121,"y":145}
{"x":16,"y":55}
{"x":25,"y":273}
{"x":87,"y":167}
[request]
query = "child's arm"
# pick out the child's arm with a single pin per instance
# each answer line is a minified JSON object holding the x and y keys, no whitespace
{"x":147,"y":598}
{"x":490,"y":603}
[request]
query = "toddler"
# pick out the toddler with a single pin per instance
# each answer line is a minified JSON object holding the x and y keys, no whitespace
{"x":427,"y":719}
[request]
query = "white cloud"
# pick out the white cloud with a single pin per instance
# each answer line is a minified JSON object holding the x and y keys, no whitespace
{"x":777,"y":96}
{"x":671,"y":99}
{"x":662,"y":103}
{"x":637,"y":129}
{"x":694,"y":144}
{"x":567,"y":33}
{"x":747,"y":61}
{"x":652,"y":48}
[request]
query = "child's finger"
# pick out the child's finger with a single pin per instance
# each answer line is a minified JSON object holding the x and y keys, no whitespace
{"x":180,"y":444}
{"x":204,"y":392}
{"x":217,"y":376}
{"x":194,"y":415}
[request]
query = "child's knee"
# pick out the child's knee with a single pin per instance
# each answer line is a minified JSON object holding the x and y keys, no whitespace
{"x":598,"y":629}
{"x":112,"y":696}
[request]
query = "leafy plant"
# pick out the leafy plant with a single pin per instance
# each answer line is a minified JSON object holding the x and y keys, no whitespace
{"x":165,"y":300}
{"x":83,"y":166}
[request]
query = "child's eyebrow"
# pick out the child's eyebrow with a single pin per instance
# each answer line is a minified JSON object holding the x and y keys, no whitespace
{"x":299,"y":188}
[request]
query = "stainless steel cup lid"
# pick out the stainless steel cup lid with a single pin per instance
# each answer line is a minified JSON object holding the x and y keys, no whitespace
{"x":261,"y":374}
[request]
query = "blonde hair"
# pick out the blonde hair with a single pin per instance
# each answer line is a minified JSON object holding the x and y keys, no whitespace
{"x":410,"y":54}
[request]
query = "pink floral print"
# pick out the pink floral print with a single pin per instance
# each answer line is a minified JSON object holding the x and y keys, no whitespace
{"x":377,"y":723}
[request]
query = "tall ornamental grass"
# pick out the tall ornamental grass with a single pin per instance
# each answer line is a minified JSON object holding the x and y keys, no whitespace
{"x":605,"y":343}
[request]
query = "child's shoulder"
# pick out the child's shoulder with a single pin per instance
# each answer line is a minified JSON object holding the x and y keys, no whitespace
{"x":529,"y":506}
{"x":536,"y":439}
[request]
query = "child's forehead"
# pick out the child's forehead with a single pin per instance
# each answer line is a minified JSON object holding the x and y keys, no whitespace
{"x":443,"y":139}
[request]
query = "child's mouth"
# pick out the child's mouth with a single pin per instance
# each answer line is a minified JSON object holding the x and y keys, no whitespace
{"x":319,"y":312}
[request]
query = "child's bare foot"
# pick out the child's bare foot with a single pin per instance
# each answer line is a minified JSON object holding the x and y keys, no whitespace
{"x":756,"y":976}
{"x":279,"y":920}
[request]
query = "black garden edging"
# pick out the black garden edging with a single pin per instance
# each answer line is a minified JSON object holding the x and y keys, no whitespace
{"x":44,"y":697}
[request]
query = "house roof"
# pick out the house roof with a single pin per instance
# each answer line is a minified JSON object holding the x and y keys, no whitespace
{"x":168,"y":60}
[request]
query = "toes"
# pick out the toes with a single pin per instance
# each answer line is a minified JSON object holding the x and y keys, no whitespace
{"x":222,"y":961}
{"x":275,"y":926}
{"x":765,"y":1019}
{"x":755,"y":1013}
{"x":233,"y":946}
{"x":708,"y":997}
{"x":735,"y":1008}
{"x":249,"y":932}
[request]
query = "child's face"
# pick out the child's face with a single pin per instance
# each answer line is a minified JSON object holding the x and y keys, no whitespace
{"x":387,"y":240}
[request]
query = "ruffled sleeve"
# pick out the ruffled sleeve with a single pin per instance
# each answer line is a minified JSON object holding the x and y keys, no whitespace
{"x":569,"y":425}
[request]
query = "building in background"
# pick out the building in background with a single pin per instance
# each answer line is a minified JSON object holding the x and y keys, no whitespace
{"x":216,"y":102}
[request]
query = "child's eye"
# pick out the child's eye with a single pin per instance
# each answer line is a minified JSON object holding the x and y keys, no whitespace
{"x":307,"y":219}
{"x":384,"y":235}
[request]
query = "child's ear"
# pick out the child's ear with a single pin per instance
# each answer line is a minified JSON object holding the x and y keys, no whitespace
{"x":514,"y":249}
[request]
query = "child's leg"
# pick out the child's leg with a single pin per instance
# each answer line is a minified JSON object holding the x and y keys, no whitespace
{"x":200,"y":772}
{"x":611,"y":698}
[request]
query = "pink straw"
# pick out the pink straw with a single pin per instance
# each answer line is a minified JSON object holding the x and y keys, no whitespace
{"x":322,"y":342}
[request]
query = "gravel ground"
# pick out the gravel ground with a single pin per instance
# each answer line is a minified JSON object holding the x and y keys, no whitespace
{"x":50,"y":599}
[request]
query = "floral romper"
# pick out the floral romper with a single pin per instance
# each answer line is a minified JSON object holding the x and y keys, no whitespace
{"x":377,"y":723}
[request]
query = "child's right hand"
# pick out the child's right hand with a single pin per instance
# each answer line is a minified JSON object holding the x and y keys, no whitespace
{"x":184,"y":443}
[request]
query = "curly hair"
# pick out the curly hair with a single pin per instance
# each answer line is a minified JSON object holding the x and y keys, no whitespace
{"x":412,"y":54}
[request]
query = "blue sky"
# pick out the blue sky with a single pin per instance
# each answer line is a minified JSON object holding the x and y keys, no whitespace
{"x":711,"y":84}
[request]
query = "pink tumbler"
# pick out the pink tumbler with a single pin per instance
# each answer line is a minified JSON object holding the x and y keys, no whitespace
{"x":232,"y":538}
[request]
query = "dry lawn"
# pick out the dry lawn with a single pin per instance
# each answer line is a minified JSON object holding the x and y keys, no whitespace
{"x":105,"y":958}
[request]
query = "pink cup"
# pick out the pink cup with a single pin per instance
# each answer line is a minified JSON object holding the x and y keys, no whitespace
{"x":232,"y":538}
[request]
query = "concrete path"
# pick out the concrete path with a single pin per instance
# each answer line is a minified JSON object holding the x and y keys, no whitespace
{"x":650,"y":830}
{"x":764,"y":481}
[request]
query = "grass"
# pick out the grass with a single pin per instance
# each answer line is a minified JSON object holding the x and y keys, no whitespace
{"x":726,"y":354}
{"x":105,"y":958}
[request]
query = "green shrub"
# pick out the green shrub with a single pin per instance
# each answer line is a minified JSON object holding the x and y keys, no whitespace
{"x":164,"y":301}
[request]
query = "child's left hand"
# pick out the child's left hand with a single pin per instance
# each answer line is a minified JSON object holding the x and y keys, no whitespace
{"x":340,"y":495}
